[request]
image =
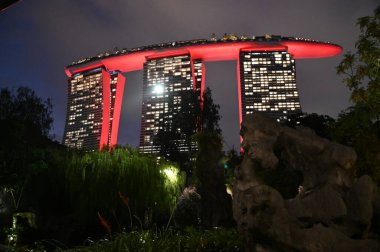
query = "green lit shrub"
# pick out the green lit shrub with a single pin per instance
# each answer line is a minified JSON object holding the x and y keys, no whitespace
{"x":101,"y":184}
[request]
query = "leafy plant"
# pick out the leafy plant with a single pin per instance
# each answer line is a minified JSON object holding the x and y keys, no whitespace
{"x":359,"y":125}
{"x":361,"y":70}
{"x":97,"y":180}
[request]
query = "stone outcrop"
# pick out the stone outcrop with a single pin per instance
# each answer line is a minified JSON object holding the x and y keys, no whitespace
{"x":332,"y":210}
{"x":188,"y":209}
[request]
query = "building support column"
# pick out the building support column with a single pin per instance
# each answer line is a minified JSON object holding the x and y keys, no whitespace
{"x":203,"y":81}
{"x":238,"y":76}
{"x":117,"y":109}
{"x":106,"y":79}
{"x":194,"y":78}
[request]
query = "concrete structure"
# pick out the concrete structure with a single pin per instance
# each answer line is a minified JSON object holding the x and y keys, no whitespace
{"x":265,"y":74}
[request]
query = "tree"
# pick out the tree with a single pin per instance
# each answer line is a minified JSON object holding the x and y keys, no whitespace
{"x":25,"y":122}
{"x":192,"y":115}
{"x":211,"y":182}
{"x":26,"y":108}
{"x":176,"y":130}
{"x":362,"y":69}
{"x":359,"y":125}
{"x":231,"y":160}
{"x":209,"y":115}
{"x":355,"y":128}
{"x":321,"y":124}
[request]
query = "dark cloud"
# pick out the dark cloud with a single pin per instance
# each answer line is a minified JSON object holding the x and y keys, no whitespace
{"x":38,"y":38}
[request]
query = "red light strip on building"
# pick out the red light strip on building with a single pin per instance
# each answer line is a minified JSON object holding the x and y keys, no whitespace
{"x":193,"y":73}
{"x":168,"y":53}
{"x":106,"y":109}
{"x":221,"y":51}
{"x":239,"y":97}
{"x":70,"y":71}
{"x":117,"y":108}
{"x":264,"y":48}
{"x":203,"y":82}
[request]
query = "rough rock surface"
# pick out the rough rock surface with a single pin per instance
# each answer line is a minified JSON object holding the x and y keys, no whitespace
{"x":332,"y":210}
{"x":188,"y":209}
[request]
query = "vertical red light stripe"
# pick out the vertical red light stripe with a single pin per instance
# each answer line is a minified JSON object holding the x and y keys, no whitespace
{"x":117,"y":108}
{"x":239,"y":98}
{"x":203,"y":79}
{"x":106,"y":109}
{"x":239,"y":91}
{"x":193,"y":73}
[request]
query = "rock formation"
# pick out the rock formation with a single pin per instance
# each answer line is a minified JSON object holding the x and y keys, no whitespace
{"x":332,"y":210}
{"x":188,"y":209}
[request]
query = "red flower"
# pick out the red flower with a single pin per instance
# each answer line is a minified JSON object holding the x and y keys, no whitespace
{"x":104,"y":223}
{"x":125,"y":199}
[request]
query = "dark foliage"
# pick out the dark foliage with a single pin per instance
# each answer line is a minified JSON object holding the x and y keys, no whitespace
{"x":231,"y":160}
{"x":210,"y":114}
{"x":25,"y":122}
{"x":359,"y":125}
{"x":321,"y":124}
{"x":114,"y":183}
{"x":178,"y":130}
{"x":361,"y":70}
{"x":193,"y":115}
{"x":27,"y":109}
{"x":355,"y":128}
{"x":188,"y":240}
{"x":56,"y":184}
{"x":211,"y":183}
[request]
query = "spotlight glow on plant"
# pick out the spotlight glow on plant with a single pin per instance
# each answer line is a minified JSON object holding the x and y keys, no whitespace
{"x":158,"y":89}
{"x":171,"y":173}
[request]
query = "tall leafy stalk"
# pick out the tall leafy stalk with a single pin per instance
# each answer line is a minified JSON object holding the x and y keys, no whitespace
{"x":97,"y":180}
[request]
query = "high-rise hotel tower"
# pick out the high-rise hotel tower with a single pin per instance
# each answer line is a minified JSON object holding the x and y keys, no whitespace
{"x":91,"y":102}
{"x":266,"y":79}
{"x":268,"y":83}
{"x":166,"y":80}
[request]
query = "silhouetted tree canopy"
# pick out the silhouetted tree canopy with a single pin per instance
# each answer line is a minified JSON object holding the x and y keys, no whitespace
{"x":26,"y":109}
{"x":210,"y":114}
{"x":321,"y":124}
{"x":189,"y":117}
{"x":361,"y":70}
{"x":25,"y":122}
{"x":359,"y":125}
{"x":355,"y":128}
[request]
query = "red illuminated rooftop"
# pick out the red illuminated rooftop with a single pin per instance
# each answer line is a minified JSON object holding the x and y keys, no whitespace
{"x":127,"y":60}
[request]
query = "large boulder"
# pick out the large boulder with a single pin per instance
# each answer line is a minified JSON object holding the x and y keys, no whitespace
{"x":318,"y":206}
{"x":188,"y":209}
{"x":332,"y":211}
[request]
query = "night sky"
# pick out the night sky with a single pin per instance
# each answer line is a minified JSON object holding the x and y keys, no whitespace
{"x":39,"y":38}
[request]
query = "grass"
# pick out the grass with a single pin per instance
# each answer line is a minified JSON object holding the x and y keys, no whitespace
{"x":188,"y":240}
{"x":97,"y":180}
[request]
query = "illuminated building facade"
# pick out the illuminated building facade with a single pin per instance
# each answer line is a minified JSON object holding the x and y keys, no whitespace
{"x":268,"y":83}
{"x":91,"y":99}
{"x":166,"y":80}
{"x":266,"y":78}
